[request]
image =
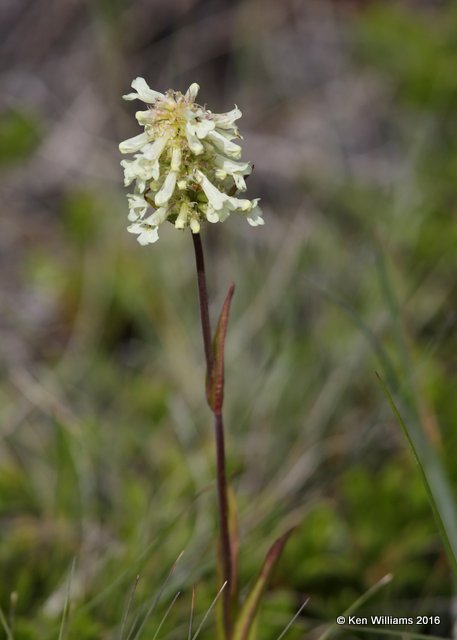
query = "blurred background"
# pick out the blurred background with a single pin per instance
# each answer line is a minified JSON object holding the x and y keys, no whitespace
{"x":106,"y":450}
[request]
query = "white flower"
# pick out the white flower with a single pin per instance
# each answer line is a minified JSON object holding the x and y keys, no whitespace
{"x":139,"y":170}
{"x":194,"y":224}
{"x":147,"y":234}
{"x":226,"y":120}
{"x":176,"y":159}
{"x":154,"y":151}
{"x":192,"y":92}
{"x":183,"y":216}
{"x":137,"y":206}
{"x":254,"y":217}
{"x":211,"y":214}
{"x":185,"y":162}
{"x":143,"y":92}
{"x":220,"y":141}
{"x":134,"y":144}
{"x":215,"y":197}
{"x":194,"y":143}
{"x":159,"y":216}
{"x":166,"y":191}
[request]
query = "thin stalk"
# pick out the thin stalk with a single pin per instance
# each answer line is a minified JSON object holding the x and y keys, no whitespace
{"x":225,"y":547}
{"x":203,"y":298}
{"x":226,"y":551}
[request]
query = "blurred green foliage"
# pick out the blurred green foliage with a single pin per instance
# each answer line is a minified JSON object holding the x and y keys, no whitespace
{"x":417,"y":49}
{"x":20,"y":134}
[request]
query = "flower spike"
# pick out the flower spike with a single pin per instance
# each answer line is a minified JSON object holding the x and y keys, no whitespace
{"x":185,"y":165}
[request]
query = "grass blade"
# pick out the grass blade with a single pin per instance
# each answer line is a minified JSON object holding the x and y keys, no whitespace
{"x":434,"y":478}
{"x":165,"y":615}
{"x":66,"y":609}
{"x":9,"y":634}
{"x":155,"y":601}
{"x":290,"y":623}
{"x":200,"y":626}
{"x":357,"y":604}
{"x":191,"y":618}
{"x":128,"y":607}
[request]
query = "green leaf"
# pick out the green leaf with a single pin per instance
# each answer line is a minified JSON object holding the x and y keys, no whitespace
{"x":215,"y":377}
{"x":246,"y":619}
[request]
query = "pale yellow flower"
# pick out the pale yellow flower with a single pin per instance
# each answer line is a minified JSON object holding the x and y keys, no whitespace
{"x":186,"y":166}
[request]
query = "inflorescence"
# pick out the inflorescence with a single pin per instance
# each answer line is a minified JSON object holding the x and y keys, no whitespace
{"x":186,"y":165}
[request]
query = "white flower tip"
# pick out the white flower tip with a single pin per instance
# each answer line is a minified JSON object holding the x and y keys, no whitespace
{"x":192,"y":92}
{"x":146,"y":234}
{"x":143,"y":92}
{"x":167,"y":189}
{"x":212,"y":216}
{"x":175,"y":159}
{"x":254,"y":217}
{"x":194,"y":225}
{"x":134,"y":144}
{"x":145,"y":117}
{"x":148,"y":237}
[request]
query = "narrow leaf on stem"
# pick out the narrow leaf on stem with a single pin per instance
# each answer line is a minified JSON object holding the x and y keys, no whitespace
{"x":215,"y":374}
{"x":249,"y":610}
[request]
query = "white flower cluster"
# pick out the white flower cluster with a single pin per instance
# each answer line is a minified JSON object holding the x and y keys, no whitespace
{"x":186,"y":165}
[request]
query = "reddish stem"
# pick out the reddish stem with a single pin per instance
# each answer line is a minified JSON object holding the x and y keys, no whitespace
{"x":226,"y":552}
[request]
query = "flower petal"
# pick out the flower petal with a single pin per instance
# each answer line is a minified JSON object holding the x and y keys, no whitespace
{"x":194,"y":225}
{"x":165,"y":193}
{"x":159,"y":216}
{"x":181,"y":220}
{"x":154,"y":150}
{"x":137,"y":206}
{"x":255,"y":218}
{"x":221,"y":142}
{"x":192,"y":92}
{"x":215,"y":197}
{"x":224,"y":214}
{"x":175,"y":159}
{"x":194,"y":143}
{"x":231,"y":166}
{"x":138,"y":169}
{"x":201,"y":129}
{"x":143,"y":92}
{"x":146,"y":117}
{"x":240,"y":182}
{"x":240,"y":204}
{"x":134,"y":144}
{"x":211,"y":214}
{"x":148,"y":236}
{"x":136,"y":227}
{"x":226,"y":120}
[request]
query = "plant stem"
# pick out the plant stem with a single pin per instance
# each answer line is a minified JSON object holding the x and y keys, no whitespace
{"x":203,"y":299}
{"x":225,"y":547}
